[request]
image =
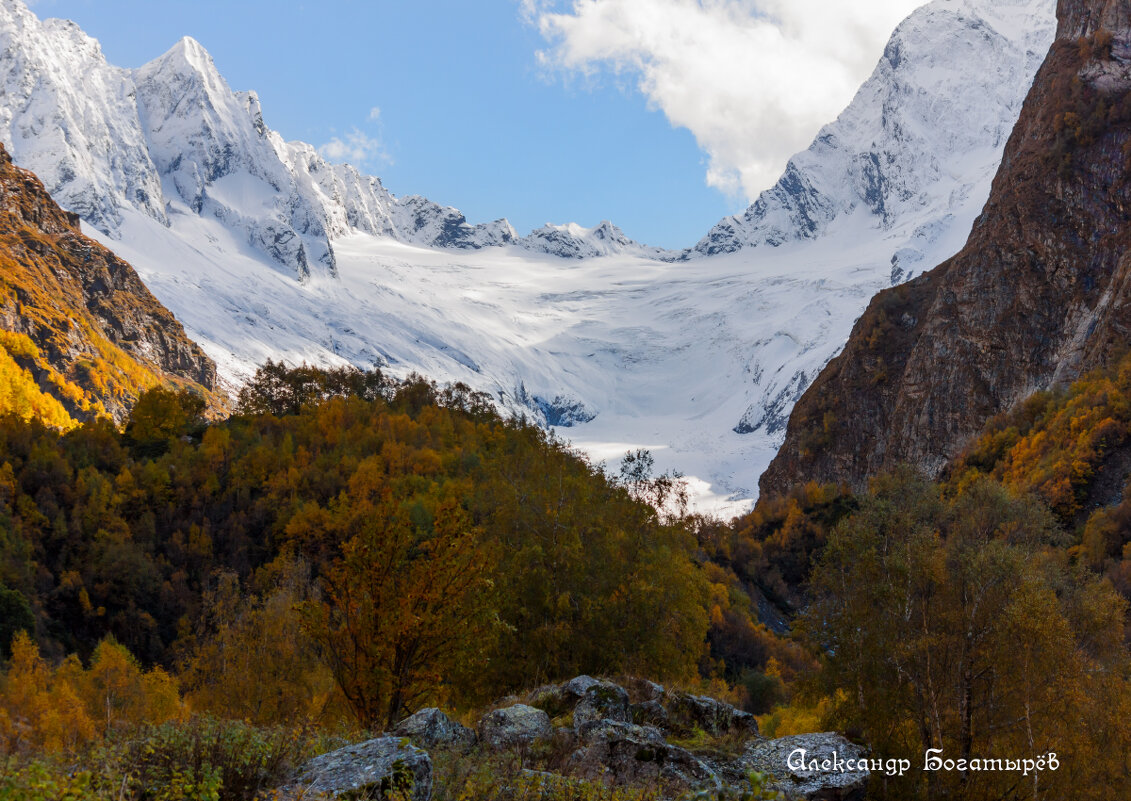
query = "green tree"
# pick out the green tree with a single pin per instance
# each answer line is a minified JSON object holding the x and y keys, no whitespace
{"x":15,"y":616}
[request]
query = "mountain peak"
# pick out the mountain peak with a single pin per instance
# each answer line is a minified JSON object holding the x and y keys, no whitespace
{"x":191,"y":55}
{"x":187,"y":57}
{"x":922,"y":117}
{"x":1036,"y":297}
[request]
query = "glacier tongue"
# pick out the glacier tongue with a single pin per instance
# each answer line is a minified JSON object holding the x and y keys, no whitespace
{"x":697,"y":355}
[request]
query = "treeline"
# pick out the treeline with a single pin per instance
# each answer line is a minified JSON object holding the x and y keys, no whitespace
{"x":347,"y":547}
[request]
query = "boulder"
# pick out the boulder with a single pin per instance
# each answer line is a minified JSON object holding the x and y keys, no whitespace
{"x":430,"y":728}
{"x":512,"y":726}
{"x":650,"y":713}
{"x":686,"y":712}
{"x":602,"y":701}
{"x":557,"y":700}
{"x":373,"y":769}
{"x":773,"y":757}
{"x":624,"y":753}
{"x":578,"y":686}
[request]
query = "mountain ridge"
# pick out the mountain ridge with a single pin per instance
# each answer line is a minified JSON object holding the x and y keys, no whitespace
{"x":1037,"y":296}
{"x":79,"y":320}
{"x":699,"y":359}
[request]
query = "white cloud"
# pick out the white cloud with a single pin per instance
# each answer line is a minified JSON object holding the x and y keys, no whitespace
{"x":753,"y":80}
{"x":375,"y":114}
{"x":356,"y":148}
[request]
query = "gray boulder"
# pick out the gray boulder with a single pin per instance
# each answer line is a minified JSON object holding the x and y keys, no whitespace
{"x":650,"y":713}
{"x":774,"y":757}
{"x":516,"y":725}
{"x":602,"y":701}
{"x":623,"y":753}
{"x":561,"y":699}
{"x":375,"y":768}
{"x":431,"y":728}
{"x":686,"y":712}
{"x":577,"y":687}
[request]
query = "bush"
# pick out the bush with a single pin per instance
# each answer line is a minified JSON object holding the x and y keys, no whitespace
{"x":213,"y":759}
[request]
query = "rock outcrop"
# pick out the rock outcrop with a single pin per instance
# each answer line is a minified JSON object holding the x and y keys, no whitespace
{"x":774,"y":757}
{"x":101,"y":336}
{"x":1040,"y":293}
{"x":592,"y":738}
{"x":625,"y":754}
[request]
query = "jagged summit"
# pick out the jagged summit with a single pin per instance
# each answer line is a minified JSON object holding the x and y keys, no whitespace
{"x":172,"y":137}
{"x":573,"y":241}
{"x":69,"y":116}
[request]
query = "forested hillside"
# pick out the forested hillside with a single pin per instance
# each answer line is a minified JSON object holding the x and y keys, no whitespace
{"x":356,"y":545}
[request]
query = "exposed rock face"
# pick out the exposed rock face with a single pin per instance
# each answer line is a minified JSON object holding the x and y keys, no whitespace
{"x":514,"y":726}
{"x":1039,"y":294}
{"x":623,"y":753}
{"x":686,"y":712}
{"x":431,"y":727}
{"x":774,"y":757}
{"x":366,"y":770}
{"x":86,"y":310}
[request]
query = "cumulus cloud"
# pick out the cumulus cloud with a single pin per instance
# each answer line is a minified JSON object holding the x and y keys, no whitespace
{"x":753,"y":80}
{"x":356,"y":148}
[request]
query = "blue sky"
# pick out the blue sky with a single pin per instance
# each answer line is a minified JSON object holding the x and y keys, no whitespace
{"x":649,"y":113}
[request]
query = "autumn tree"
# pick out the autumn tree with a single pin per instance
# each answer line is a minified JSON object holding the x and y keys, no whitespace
{"x":253,"y":659}
{"x":955,"y":624}
{"x":407,"y":599}
{"x":280,"y":390}
{"x":160,"y":416}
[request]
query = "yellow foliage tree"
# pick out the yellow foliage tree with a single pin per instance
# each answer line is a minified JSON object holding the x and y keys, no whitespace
{"x":256,"y":662}
{"x":38,"y":712}
{"x":119,"y":694}
{"x":54,"y":710}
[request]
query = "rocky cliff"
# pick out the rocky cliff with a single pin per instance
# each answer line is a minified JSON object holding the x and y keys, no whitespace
{"x":1039,"y":293}
{"x":78,"y":319}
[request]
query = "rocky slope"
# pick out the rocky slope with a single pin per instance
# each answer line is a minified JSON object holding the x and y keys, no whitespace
{"x":80,"y":321}
{"x":1040,"y":292}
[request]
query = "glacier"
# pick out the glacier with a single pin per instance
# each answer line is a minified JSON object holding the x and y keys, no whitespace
{"x":263,"y":249}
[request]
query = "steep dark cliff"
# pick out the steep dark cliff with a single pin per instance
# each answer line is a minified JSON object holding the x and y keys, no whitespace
{"x":78,"y":320}
{"x":1041,"y":291}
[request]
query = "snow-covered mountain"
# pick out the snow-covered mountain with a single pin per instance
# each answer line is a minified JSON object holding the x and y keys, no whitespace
{"x":103,"y":137}
{"x":906,"y":167}
{"x":924,"y":131}
{"x":696,"y":355}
